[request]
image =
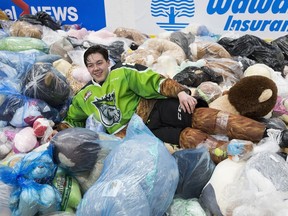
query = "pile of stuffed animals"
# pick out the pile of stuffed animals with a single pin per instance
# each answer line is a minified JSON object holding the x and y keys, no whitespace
{"x":84,"y":171}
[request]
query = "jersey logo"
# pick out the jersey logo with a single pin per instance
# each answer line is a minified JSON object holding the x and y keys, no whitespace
{"x":87,"y":95}
{"x":109,"y":113}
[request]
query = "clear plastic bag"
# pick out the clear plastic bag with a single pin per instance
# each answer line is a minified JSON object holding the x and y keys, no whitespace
{"x":195,"y":169}
{"x":44,"y":82}
{"x":31,"y":180}
{"x":19,"y":110}
{"x":22,"y":43}
{"x":139,"y":177}
{"x":25,"y":29}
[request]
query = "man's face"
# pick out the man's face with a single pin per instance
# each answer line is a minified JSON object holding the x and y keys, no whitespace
{"x":98,"y":67}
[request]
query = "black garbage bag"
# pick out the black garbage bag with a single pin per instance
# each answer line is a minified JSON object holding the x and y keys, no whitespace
{"x":183,"y":40}
{"x":282,"y":43}
{"x":41,"y":18}
{"x":44,"y":82}
{"x":193,"y":76}
{"x":244,"y":61}
{"x":76,"y":149}
{"x":47,"y":20}
{"x":256,"y":49}
{"x":31,"y":18}
{"x":115,"y":49}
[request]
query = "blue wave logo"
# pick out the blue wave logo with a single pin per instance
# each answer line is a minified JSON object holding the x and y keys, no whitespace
{"x":172,"y":10}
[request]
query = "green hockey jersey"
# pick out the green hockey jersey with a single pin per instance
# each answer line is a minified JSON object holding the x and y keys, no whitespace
{"x":115,"y":101}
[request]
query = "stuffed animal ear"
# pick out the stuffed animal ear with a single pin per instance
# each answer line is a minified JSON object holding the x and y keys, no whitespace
{"x":266,"y":95}
{"x":259,"y":70}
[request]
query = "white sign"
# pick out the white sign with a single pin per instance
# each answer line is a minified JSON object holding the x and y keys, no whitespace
{"x":263,"y":18}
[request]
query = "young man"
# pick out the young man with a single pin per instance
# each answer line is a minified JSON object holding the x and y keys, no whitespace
{"x":113,"y":96}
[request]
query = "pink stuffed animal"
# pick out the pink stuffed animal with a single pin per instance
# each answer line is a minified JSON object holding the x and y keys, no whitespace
{"x":25,"y":140}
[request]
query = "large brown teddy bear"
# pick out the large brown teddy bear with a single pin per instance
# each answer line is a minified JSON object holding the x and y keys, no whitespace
{"x":252,"y":96}
{"x":232,"y":114}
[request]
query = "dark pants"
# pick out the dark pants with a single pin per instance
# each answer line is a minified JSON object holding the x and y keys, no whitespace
{"x":167,"y":119}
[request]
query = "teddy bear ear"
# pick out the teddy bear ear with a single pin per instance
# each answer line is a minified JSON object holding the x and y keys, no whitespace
{"x":265,"y":96}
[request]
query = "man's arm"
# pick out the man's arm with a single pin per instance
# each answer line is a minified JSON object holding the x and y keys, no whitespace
{"x":171,"y":88}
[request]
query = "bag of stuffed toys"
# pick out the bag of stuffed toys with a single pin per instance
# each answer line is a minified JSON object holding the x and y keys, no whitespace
{"x":81,"y":153}
{"x":44,"y":82}
{"x":31,"y":180}
{"x":19,"y":110}
{"x":139,"y":177}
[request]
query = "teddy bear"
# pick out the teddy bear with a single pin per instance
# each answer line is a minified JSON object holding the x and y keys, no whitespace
{"x":160,"y":54}
{"x":31,"y":178}
{"x":209,"y":91}
{"x":235,"y":115}
{"x":280,"y":109}
{"x":3,"y":15}
{"x":205,"y":49}
{"x":132,"y":34}
{"x":25,"y":29}
{"x":252,"y":96}
{"x":238,"y":114}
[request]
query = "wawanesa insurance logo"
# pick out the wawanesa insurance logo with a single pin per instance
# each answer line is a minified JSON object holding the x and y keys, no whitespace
{"x":271,"y":9}
{"x":171,"y":12}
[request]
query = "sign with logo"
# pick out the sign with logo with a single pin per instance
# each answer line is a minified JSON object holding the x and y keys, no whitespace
{"x":172,"y":11}
{"x":263,"y":18}
{"x":87,"y":13}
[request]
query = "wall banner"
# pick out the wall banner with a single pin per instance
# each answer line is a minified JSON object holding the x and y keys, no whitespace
{"x":87,"y":13}
{"x":263,"y":18}
{"x":267,"y":18}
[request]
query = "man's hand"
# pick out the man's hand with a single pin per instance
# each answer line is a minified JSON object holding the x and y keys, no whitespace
{"x":187,"y":102}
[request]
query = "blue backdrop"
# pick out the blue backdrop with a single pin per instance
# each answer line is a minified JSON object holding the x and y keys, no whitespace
{"x":88,"y":13}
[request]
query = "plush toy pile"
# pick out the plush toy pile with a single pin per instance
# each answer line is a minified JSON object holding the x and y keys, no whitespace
{"x":85,"y":171}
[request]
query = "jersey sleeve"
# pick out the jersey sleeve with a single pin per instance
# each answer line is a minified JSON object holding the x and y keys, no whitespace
{"x":75,"y":117}
{"x":145,"y":83}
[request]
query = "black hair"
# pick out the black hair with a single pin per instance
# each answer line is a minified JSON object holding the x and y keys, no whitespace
{"x":96,"y":49}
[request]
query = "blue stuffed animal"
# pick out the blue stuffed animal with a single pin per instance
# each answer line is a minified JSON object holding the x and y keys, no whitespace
{"x":31,"y":178}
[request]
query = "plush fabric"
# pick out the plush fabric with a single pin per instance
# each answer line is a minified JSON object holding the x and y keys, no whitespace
{"x":136,"y":173}
{"x":131,"y":34}
{"x":205,"y":49}
{"x":258,"y":104}
{"x":213,"y":121}
{"x":241,"y":100}
{"x":25,"y":29}
{"x":149,"y":52}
